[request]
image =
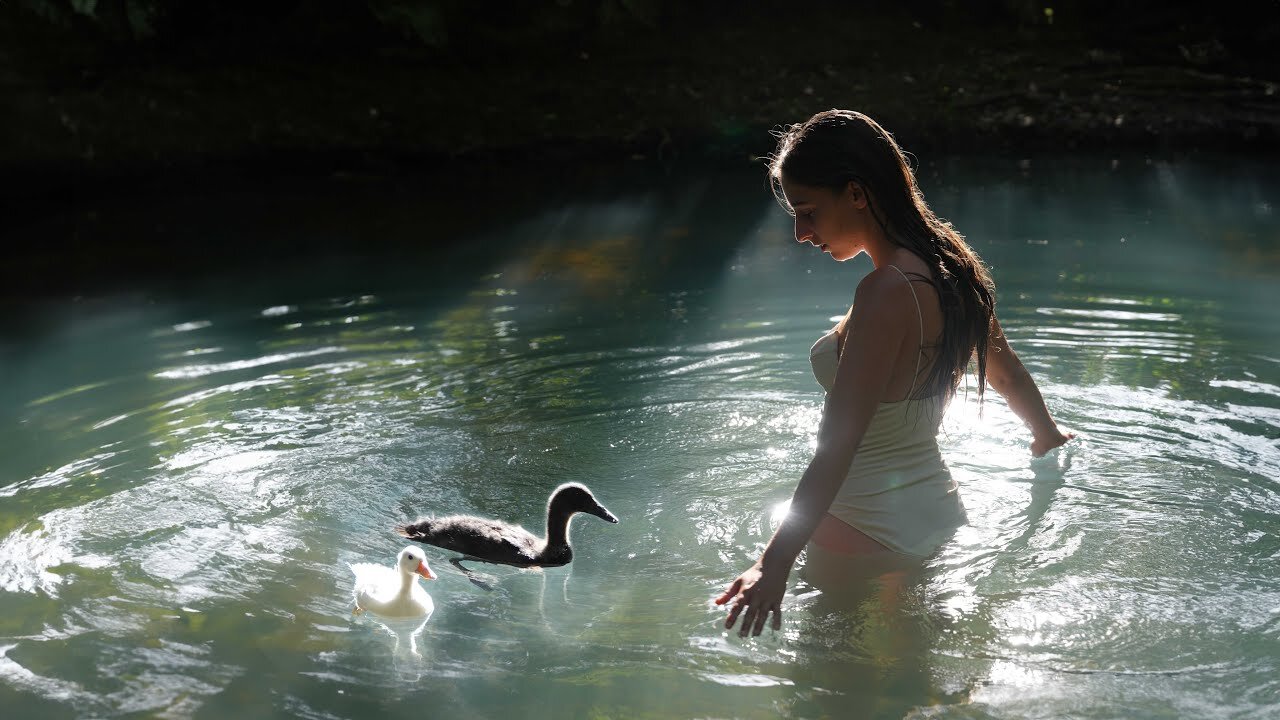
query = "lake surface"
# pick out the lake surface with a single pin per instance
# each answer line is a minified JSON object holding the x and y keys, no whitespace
{"x":187,"y":468}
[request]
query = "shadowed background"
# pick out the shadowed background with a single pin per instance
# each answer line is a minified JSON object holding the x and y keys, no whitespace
{"x":109,"y":100}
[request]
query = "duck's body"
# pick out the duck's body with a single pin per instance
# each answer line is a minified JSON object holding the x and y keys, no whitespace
{"x":495,"y":541}
{"x":394,"y":591}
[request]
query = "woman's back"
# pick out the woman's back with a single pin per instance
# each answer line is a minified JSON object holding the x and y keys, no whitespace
{"x":920,"y":310}
{"x":898,"y":490}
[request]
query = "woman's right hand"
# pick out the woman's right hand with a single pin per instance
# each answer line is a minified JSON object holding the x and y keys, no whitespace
{"x":755,"y":594}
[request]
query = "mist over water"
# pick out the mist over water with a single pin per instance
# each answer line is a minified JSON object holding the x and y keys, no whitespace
{"x":184,"y":476}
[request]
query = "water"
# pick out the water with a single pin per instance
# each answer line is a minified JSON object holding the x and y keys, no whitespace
{"x":187,"y":468}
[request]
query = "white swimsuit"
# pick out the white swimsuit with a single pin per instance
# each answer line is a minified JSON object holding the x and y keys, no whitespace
{"x":898,"y":490}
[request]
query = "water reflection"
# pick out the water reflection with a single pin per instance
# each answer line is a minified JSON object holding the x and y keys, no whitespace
{"x":405,"y":635}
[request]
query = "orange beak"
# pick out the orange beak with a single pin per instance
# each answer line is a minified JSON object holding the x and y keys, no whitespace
{"x":425,"y":571}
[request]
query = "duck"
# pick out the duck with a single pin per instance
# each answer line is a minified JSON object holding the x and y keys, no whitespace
{"x":504,"y":543}
{"x":394,"y":591}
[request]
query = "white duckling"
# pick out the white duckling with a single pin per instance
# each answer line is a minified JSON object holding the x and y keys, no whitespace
{"x":394,"y":592}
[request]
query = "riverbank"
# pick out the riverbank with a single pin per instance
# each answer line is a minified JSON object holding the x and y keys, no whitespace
{"x":86,"y":116}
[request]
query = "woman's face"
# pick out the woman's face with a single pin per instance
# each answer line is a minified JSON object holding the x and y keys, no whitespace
{"x":834,"y":222}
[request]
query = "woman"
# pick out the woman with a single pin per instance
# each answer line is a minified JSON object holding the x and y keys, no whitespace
{"x":877,"y":484}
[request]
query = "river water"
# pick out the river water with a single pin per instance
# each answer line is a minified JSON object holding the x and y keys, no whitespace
{"x":186,"y":469}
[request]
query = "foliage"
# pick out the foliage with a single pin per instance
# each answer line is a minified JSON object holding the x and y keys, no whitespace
{"x":468,"y":28}
{"x":429,"y":23}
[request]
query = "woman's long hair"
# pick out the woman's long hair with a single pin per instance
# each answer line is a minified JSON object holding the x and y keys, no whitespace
{"x":835,"y":147}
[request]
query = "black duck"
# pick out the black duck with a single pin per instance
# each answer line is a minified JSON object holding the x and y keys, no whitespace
{"x":495,"y":541}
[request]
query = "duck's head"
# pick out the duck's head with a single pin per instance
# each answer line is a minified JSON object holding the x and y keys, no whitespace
{"x":575,"y":497}
{"x":412,"y":561}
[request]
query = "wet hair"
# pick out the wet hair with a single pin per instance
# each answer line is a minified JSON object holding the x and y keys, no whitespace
{"x":836,"y":147}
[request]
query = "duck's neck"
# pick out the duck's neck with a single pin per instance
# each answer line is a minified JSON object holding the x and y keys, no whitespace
{"x":406,"y":582}
{"x":558,"y":527}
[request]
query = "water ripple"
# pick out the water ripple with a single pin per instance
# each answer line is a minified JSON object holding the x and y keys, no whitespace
{"x":195,"y":371}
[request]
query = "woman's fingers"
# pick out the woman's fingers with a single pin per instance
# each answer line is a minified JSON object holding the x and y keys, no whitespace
{"x":761,"y":617}
{"x":733,"y":613}
{"x":748,"y":619}
{"x":753,"y":617}
{"x":728,"y":594}
{"x":742,"y":607}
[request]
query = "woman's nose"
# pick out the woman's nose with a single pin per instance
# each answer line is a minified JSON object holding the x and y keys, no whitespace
{"x":803,"y":231}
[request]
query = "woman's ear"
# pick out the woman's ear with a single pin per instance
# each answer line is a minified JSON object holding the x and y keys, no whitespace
{"x":857,"y":194}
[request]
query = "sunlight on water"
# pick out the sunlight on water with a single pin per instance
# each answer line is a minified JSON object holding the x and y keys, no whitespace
{"x":185,"y":481}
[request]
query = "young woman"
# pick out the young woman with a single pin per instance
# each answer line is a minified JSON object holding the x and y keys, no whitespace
{"x":877,"y":484}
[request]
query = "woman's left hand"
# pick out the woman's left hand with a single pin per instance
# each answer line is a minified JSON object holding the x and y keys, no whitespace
{"x":756,"y":593}
{"x":1057,"y":438}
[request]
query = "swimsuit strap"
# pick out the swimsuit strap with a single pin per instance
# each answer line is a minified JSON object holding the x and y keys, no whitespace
{"x":920,"y":316}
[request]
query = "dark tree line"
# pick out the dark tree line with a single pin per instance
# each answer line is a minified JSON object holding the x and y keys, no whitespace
{"x":1241,"y":35}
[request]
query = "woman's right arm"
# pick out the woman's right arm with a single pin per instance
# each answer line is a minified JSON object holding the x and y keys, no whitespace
{"x":1007,"y":375}
{"x":876,"y":330}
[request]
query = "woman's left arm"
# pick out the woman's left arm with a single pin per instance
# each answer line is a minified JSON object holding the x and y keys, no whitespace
{"x":1006,"y":373}
{"x":875,"y":336}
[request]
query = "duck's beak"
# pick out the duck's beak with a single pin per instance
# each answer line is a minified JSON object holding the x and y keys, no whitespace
{"x":425,"y":571}
{"x":603,"y":514}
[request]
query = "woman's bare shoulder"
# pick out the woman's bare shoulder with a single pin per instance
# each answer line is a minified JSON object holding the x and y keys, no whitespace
{"x":882,"y":285}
